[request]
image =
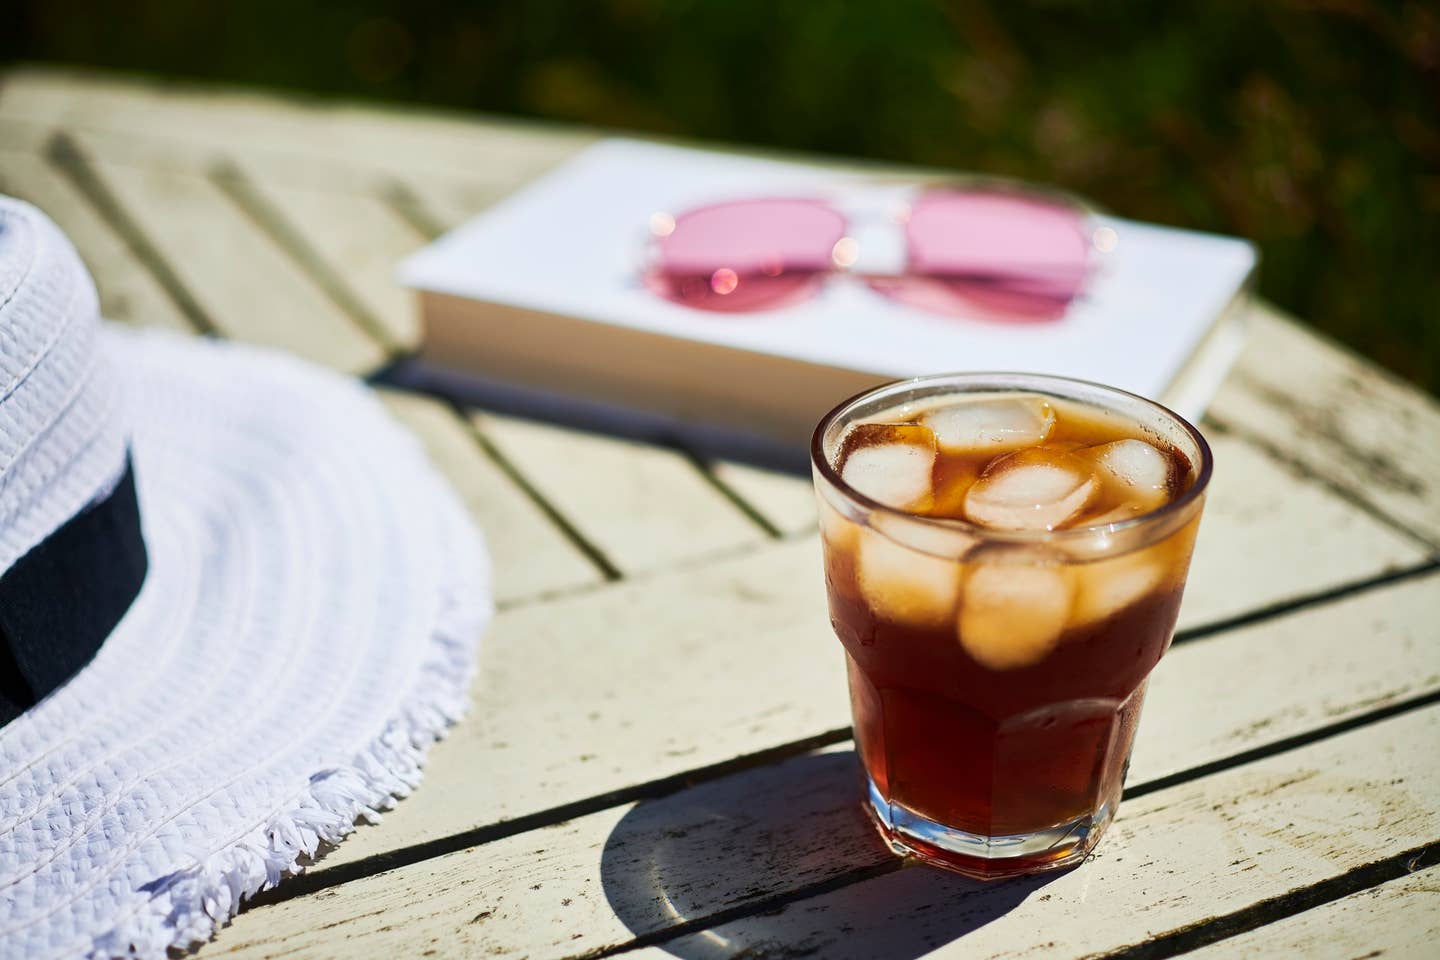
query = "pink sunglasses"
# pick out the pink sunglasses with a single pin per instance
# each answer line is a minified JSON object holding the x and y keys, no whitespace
{"x":983,"y":253}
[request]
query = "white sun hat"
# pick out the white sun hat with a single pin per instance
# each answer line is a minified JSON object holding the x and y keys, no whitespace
{"x":236,"y":605}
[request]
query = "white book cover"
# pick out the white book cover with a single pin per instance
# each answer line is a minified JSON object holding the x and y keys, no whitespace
{"x":573,"y":243}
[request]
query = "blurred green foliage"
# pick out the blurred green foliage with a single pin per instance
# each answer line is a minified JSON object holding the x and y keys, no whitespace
{"x":1310,"y":127}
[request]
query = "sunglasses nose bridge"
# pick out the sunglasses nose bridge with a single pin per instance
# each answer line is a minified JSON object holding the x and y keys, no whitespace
{"x":872,"y":248}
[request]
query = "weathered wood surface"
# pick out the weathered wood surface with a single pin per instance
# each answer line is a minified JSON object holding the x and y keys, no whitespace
{"x":1399,"y":920}
{"x":244,"y":282}
{"x":1309,"y":400}
{"x":786,"y":502}
{"x":643,"y":679}
{"x":1270,"y":534}
{"x":1176,"y":858}
{"x":128,"y":292}
{"x":293,"y":133}
{"x":755,"y":633}
{"x":789,"y":824}
{"x":643,"y":507}
{"x":530,"y":554}
{"x":664,"y":619}
{"x":356,"y":240}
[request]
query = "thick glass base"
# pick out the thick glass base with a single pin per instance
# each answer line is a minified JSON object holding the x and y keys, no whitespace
{"x":982,"y":857}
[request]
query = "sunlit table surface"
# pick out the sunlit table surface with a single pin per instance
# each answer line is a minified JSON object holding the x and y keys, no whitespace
{"x":658,"y":756}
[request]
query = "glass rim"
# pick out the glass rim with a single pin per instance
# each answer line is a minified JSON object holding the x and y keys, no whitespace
{"x":997,"y":379}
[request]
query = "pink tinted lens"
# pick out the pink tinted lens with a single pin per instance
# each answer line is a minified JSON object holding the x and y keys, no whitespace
{"x":746,"y":255}
{"x":994,"y":255}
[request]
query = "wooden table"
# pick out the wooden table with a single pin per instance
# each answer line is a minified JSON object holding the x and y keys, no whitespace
{"x":658,"y":758}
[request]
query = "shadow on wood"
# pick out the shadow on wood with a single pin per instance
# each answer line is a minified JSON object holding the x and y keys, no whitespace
{"x":702,"y":440}
{"x":714,"y":864}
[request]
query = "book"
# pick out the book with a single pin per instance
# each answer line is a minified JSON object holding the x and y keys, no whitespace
{"x":539,"y":302}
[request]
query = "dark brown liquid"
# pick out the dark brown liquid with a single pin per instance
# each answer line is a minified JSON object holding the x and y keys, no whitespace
{"x":1022,"y":748}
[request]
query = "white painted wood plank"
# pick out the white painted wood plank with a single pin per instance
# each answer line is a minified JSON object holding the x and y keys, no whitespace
{"x":246,"y":284}
{"x":1268,"y":534}
{"x":644,"y":507}
{"x":1399,"y":920}
{"x":129,"y":293}
{"x":1173,"y":859}
{"x":1240,"y":689}
{"x":298,"y":133}
{"x":361,"y":240}
{"x":768,"y":608}
{"x":1340,"y":416}
{"x":778,"y":828}
{"x":595,"y":882}
{"x":530,"y":555}
{"x":638,"y":680}
{"x":787,"y":502}
{"x":441,"y":205}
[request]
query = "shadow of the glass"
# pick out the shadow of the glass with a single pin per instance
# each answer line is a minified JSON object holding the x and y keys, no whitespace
{"x":714,"y":851}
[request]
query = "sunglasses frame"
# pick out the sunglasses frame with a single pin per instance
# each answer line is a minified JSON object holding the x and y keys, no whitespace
{"x":1099,"y":240}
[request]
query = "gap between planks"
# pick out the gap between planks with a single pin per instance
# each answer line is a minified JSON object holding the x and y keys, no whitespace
{"x":214,"y":259}
{"x":1296,"y":902}
{"x":714,"y":618}
{"x":775,"y":511}
{"x":1281,"y":775}
{"x":1158,"y":779}
{"x":328,"y":279}
{"x":1397,"y":919}
{"x":250,"y":202}
{"x":1217,"y":423}
{"x":149,"y":105}
{"x":308,"y":884}
{"x":1162,"y":873}
{"x":1185,"y":940}
{"x":70,"y":160}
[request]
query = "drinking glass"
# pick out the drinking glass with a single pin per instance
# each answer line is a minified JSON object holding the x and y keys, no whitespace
{"x":996,"y":676}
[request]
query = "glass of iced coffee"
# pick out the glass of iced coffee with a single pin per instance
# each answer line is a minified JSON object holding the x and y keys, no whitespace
{"x":1004,"y":555}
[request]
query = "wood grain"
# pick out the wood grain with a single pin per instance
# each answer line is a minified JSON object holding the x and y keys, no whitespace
{"x":767,"y":607}
{"x":530,"y":555}
{"x":639,"y":680}
{"x":1268,"y":534}
{"x":596,"y":882}
{"x":1341,"y":418}
{"x":1172,"y":860}
{"x":775,"y":830}
{"x":246,"y":284}
{"x":359,"y":240}
{"x":1399,"y":920}
{"x":644,"y":507}
{"x":787,"y":502}
{"x":128,"y":291}
{"x":715,"y":647}
{"x":308,"y":138}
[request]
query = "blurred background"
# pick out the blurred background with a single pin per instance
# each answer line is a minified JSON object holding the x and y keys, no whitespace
{"x":1312,"y":128}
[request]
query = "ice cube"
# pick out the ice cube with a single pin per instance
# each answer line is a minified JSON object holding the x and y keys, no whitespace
{"x":891,"y":463}
{"x":905,"y":585}
{"x":1107,"y":587}
{"x":1012,"y":614}
{"x":1135,"y":470}
{"x":934,"y":537}
{"x":1031,"y":490}
{"x":1126,"y":511}
{"x":991,"y":426}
